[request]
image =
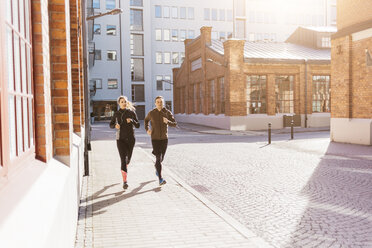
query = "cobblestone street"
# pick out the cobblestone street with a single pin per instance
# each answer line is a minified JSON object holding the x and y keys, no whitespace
{"x":305,"y":192}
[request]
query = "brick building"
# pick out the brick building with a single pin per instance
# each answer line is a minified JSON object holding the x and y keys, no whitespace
{"x":351,"y":119}
{"x":243,"y":85}
{"x":42,"y":121}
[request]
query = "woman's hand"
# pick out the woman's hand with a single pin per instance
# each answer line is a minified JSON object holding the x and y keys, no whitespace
{"x":129,"y":120}
{"x":149,"y":132}
{"x":117,"y":126}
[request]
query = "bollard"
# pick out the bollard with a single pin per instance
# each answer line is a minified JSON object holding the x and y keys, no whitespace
{"x":292,"y":129}
{"x":269,"y":130}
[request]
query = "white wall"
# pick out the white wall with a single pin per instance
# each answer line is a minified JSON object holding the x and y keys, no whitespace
{"x":354,"y":131}
{"x":42,"y":203}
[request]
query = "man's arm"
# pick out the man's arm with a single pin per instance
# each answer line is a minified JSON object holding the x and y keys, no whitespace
{"x":171,"y":121}
{"x":147,"y":120}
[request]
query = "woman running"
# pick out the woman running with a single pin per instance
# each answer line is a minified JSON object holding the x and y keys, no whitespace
{"x":123,"y":120}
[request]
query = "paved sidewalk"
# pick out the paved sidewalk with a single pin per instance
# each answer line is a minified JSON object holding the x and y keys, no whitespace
{"x":214,"y":130}
{"x":146,"y":215}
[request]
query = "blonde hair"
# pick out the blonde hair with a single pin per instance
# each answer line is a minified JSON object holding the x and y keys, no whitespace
{"x":129,"y":105}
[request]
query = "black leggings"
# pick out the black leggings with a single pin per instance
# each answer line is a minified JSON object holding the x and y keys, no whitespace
{"x":159,"y":147}
{"x":125,"y":148}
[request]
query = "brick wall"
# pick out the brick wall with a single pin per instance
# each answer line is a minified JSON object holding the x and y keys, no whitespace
{"x":353,"y":12}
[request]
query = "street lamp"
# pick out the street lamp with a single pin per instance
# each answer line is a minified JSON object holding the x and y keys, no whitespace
{"x":112,"y":12}
{"x":217,"y":63}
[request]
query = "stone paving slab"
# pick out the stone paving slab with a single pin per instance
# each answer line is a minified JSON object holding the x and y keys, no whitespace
{"x":146,"y":215}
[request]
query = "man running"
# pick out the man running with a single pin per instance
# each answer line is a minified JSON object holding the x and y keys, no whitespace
{"x":160,"y":118}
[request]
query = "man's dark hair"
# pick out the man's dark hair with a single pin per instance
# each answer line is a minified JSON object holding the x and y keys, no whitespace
{"x":159,"y":97}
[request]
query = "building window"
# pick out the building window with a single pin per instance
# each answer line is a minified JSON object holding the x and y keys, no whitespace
{"x":158,"y":34}
{"x":166,"y":12}
{"x":183,"y":12}
{"x":167,"y":57}
{"x":174,"y":12}
{"x":326,"y":42}
{"x":168,"y":105}
{"x":111,"y":55}
{"x":137,"y":71}
{"x":190,"y":13}
{"x":207,"y":14}
{"x":182,"y":35}
{"x":174,"y":34}
{"x":136,"y":44}
{"x":159,"y":82}
{"x":222,"y":15}
{"x":159,"y":58}
{"x":284,"y":94}
{"x":97,"y":54}
{"x":182,"y":57}
{"x":166,"y":35}
{"x":97,"y":29}
{"x":111,"y":30}
{"x":157,"y":11}
{"x":175,"y":58}
{"x":321,"y":94}
{"x":191,"y":34}
{"x":256,"y":94}
{"x":110,"y":4}
{"x":96,"y":83}
{"x":167,"y":83}
{"x":214,"y":14}
{"x":196,"y":64}
{"x":240,"y":29}
{"x":96,"y":4}
{"x":136,"y":3}
{"x":112,"y":84}
{"x":138,"y":93}
{"x":136,"y":20}
{"x":16,"y":84}
{"x":214,"y":35}
{"x":229,"y":15}
{"x":212,"y":102}
{"x":222,"y":94}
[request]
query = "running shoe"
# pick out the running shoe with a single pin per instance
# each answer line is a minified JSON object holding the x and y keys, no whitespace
{"x":125,"y":185}
{"x":162,"y":182}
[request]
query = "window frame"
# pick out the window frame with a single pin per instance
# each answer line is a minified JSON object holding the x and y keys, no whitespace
{"x":107,"y":28}
{"x":157,"y":8}
{"x":115,"y":55}
{"x":133,"y":78}
{"x":133,"y":87}
{"x":251,"y":103}
{"x":278,"y":110}
{"x":94,"y":29}
{"x":112,"y":79}
{"x":315,"y":97}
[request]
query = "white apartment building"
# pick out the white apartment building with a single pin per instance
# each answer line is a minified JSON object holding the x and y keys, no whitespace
{"x":133,"y":53}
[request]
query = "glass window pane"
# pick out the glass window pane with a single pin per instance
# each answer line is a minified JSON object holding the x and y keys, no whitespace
{"x":136,"y":44}
{"x":222,"y":15}
{"x":229,"y":15}
{"x":159,"y":83}
{"x":111,"y":30}
{"x":166,"y":12}
{"x":112,"y":84}
{"x":214,"y":14}
{"x":15,"y":14}
{"x":97,"y":29}
{"x":167,"y":82}
{"x":12,"y":131}
{"x":22,"y":18}
{"x":110,"y":4}
{"x":9,"y":13}
{"x":97,"y":54}
{"x":158,"y":34}
{"x":19,"y":125}
{"x":9,"y":49}
{"x":111,"y":55}
{"x":174,"y":12}
{"x":136,"y":3}
{"x":191,"y":34}
{"x":166,"y":35}
{"x":174,"y":35}
{"x":191,"y":13}
{"x":137,"y":71}
{"x":136,"y":20}
{"x":17,"y":69}
{"x":158,"y":11}
{"x":23,"y":65}
{"x":27,"y":18}
{"x":182,"y":35}
{"x":96,"y":4}
{"x":206,"y":14}
{"x":167,"y":58}
{"x":25,"y":122}
{"x":175,"y":58}
{"x":158,"y":58}
{"x":29,"y":78}
{"x":183,"y":12}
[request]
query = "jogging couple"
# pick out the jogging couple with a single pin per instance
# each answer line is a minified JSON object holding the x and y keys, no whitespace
{"x":125,"y":119}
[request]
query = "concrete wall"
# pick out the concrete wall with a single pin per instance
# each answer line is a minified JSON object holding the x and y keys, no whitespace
{"x":42,"y":203}
{"x":355,"y":131}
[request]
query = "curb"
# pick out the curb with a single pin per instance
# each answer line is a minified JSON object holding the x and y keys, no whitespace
{"x":259,"y":242}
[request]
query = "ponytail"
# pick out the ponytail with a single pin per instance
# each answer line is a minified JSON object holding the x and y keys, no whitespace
{"x":129,"y":105}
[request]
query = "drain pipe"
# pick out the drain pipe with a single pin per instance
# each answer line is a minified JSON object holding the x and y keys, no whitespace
{"x":305,"y":61}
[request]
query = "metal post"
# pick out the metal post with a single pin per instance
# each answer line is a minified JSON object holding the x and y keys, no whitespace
{"x":292,"y":128}
{"x":269,"y":130}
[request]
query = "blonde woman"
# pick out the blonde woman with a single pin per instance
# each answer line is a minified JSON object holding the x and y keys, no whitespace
{"x":124,"y":120}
